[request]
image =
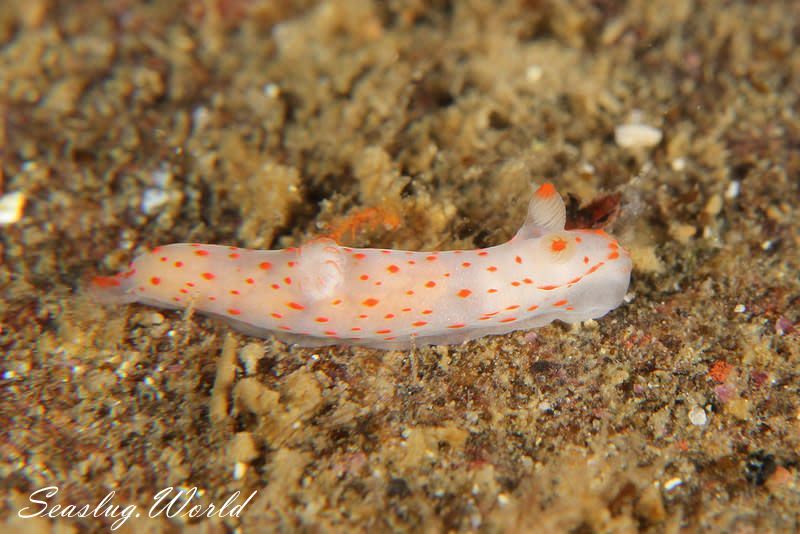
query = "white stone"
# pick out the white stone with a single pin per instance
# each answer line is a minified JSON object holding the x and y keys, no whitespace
{"x":533,"y":73}
{"x":697,"y":416}
{"x":637,"y":136}
{"x":733,"y":189}
{"x":11,"y":205}
{"x":153,"y":199}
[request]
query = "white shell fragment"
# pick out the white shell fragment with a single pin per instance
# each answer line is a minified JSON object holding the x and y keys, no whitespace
{"x":697,"y":416}
{"x":11,"y":205}
{"x":637,"y":136}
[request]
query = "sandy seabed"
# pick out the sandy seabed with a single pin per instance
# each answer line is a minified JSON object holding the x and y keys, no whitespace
{"x":128,"y":124}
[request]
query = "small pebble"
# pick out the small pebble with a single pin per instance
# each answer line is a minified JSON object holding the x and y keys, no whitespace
{"x":679,"y":164}
{"x":783,"y":326}
{"x":714,"y":205}
{"x":153,"y":199}
{"x":672,"y":483}
{"x":11,"y":205}
{"x":740,"y":308}
{"x":272,"y":90}
{"x":239,"y":470}
{"x":637,"y":136}
{"x":733,"y":190}
{"x":533,"y":73}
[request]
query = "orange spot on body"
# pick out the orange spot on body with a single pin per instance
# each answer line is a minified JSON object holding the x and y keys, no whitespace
{"x":329,"y":332}
{"x":389,"y":316}
{"x":105,"y":281}
{"x":321,"y":319}
{"x":336,"y":302}
{"x":586,"y":259}
{"x":275,"y":286}
{"x":181,"y":290}
{"x":613,"y":256}
{"x":234,"y":256}
{"x":534,"y":307}
{"x":518,"y":259}
{"x":356,"y":329}
{"x":265,"y":265}
{"x":547,"y":288}
{"x":291,"y":263}
{"x":364,"y":277}
{"x":359,"y":255}
{"x":427,"y":312}
{"x":277,"y":315}
{"x":419,"y":323}
{"x":406,"y":309}
{"x":459,"y":325}
{"x":430,"y":283}
{"x":491,"y":290}
{"x":384,"y":331}
{"x":234,"y":311}
{"x":546,"y":190}
{"x":409,"y":292}
{"x":370,"y":302}
{"x":208,"y":276}
{"x":515,"y":284}
{"x":491,"y":269}
{"x":234,"y":292}
{"x":250,"y":281}
{"x":508,"y":320}
{"x":558,"y":245}
{"x":178,"y":264}
{"x":595,"y":267}
{"x":527,"y":280}
{"x":464,"y":293}
{"x":295,"y":306}
{"x":559,"y":303}
{"x":432,"y":257}
{"x":288,"y":281}
{"x":201,"y":252}
{"x":155,"y":280}
{"x":393,"y":268}
{"x":483,"y":253}
{"x":514,"y":307}
{"x":466,"y":264}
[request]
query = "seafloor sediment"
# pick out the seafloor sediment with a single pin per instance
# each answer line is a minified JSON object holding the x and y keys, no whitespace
{"x":126,"y":125}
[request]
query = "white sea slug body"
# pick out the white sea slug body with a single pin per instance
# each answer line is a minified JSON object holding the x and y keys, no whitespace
{"x":325,"y":294}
